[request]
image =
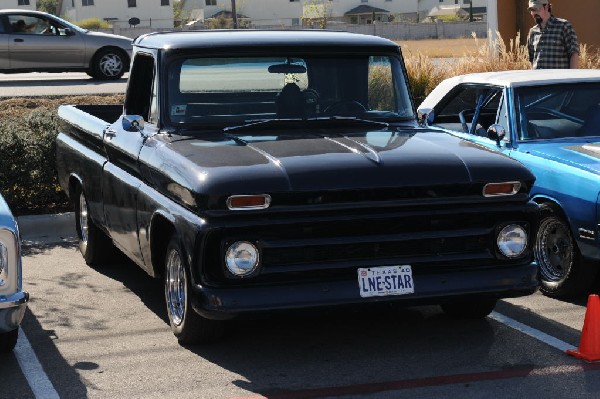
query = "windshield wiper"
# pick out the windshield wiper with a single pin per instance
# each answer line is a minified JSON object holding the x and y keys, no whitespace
{"x":324,"y":121}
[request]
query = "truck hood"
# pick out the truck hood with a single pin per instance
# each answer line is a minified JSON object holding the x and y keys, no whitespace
{"x":580,"y":155}
{"x":301,"y":161}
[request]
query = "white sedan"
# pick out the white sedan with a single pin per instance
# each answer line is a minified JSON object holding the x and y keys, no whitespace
{"x":13,"y":300}
{"x":550,"y":121}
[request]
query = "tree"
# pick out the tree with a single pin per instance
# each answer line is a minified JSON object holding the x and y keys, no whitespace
{"x":48,"y":6}
{"x":180,"y":15}
{"x":316,"y":11}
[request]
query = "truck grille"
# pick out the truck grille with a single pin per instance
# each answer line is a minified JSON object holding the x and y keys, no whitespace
{"x":336,"y":244}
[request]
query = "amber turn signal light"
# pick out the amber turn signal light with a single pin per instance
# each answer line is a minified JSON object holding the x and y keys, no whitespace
{"x":246,"y":202}
{"x":496,"y":189}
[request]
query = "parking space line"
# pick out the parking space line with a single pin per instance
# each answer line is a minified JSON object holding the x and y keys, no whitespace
{"x":532,"y":332}
{"x":32,"y":369}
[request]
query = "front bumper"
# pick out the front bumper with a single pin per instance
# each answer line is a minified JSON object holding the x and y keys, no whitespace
{"x":12,"y":310}
{"x":227,"y":303}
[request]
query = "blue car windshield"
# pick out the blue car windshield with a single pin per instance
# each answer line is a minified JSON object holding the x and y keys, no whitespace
{"x":559,"y":111}
{"x":229,"y":91}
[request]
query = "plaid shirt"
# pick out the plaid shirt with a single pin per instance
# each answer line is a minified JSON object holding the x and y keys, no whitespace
{"x":552,"y":47}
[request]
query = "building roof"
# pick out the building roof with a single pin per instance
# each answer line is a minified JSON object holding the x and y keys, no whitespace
{"x":365,"y":9}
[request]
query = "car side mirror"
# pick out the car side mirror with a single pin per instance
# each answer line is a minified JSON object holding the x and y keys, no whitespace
{"x":425,"y":116}
{"x":68,"y":32}
{"x":496,"y":132}
{"x":132,"y":123}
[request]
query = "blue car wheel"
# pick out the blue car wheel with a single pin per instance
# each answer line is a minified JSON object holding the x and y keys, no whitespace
{"x":563,"y":273}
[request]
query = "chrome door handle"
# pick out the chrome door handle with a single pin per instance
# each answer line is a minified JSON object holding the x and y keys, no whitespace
{"x":110,"y":133}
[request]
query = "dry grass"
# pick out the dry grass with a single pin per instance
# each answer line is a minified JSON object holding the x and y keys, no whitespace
{"x":439,"y":48}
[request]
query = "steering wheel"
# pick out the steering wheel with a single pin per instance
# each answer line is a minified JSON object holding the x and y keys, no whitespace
{"x":345,"y":107}
{"x":463,"y":119}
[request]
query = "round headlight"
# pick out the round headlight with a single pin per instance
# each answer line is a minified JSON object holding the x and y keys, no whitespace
{"x":242,"y":258}
{"x":512,"y":240}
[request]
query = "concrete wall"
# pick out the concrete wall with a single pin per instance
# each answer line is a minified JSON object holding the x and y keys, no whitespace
{"x":403,"y":31}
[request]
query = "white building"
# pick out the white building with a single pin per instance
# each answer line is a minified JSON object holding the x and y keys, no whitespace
{"x":18,"y":4}
{"x":155,"y":14}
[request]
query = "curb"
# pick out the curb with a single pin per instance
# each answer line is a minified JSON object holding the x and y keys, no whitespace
{"x":47,"y":228}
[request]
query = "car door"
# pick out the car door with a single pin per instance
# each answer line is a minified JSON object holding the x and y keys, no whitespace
{"x":4,"y":33}
{"x":122,"y":175}
{"x":470,"y":109}
{"x":39,"y":43}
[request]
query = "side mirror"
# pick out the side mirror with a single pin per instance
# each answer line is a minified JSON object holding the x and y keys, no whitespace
{"x":68,"y":32}
{"x":425,"y":116}
{"x":496,"y":132}
{"x":132,"y":123}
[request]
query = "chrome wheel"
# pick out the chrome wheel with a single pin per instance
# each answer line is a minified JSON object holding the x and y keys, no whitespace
{"x":554,"y":249}
{"x":111,"y":64}
{"x":175,"y":287}
{"x":83,"y":218}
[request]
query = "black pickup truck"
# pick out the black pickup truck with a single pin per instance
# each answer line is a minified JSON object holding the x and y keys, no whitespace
{"x":262,"y":171}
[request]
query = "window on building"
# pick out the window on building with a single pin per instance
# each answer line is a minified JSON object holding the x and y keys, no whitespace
{"x":87,"y":2}
{"x":164,"y":2}
{"x":211,"y":2}
{"x":131,"y":3}
{"x":23,"y":2}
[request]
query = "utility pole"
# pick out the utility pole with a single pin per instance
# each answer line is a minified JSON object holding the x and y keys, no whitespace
{"x":234,"y":15}
{"x":471,"y":11}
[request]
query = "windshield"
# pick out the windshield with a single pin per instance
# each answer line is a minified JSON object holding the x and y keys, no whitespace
{"x":234,"y":90}
{"x":559,"y":111}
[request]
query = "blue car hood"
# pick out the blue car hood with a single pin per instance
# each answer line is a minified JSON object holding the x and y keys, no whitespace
{"x":580,"y":155}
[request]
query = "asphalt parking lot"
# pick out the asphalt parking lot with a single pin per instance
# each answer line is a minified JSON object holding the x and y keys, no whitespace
{"x":103,"y":332}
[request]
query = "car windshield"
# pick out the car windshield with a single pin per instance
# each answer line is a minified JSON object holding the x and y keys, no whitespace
{"x":232,"y":91}
{"x":559,"y":111}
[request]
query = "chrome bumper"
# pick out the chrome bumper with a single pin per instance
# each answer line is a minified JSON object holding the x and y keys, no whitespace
{"x":12,"y":310}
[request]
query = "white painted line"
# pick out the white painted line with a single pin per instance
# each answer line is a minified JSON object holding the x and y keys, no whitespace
{"x":32,"y":369}
{"x":532,"y":332}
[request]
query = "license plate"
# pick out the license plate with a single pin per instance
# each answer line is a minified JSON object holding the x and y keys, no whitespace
{"x":385,"y":280}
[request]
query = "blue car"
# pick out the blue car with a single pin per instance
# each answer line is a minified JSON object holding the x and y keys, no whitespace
{"x":549,"y":120}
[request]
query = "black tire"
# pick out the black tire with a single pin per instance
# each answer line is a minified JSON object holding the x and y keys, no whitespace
{"x":94,"y":245}
{"x":187,"y":325}
{"x":562,"y":271}
{"x":471,"y":308}
{"x":8,"y":340}
{"x":108,"y":64}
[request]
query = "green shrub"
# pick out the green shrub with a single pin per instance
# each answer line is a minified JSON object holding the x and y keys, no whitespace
{"x":28,"y":179}
{"x":93,"y":23}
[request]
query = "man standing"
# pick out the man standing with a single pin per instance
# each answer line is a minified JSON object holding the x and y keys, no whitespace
{"x":552,"y":42}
